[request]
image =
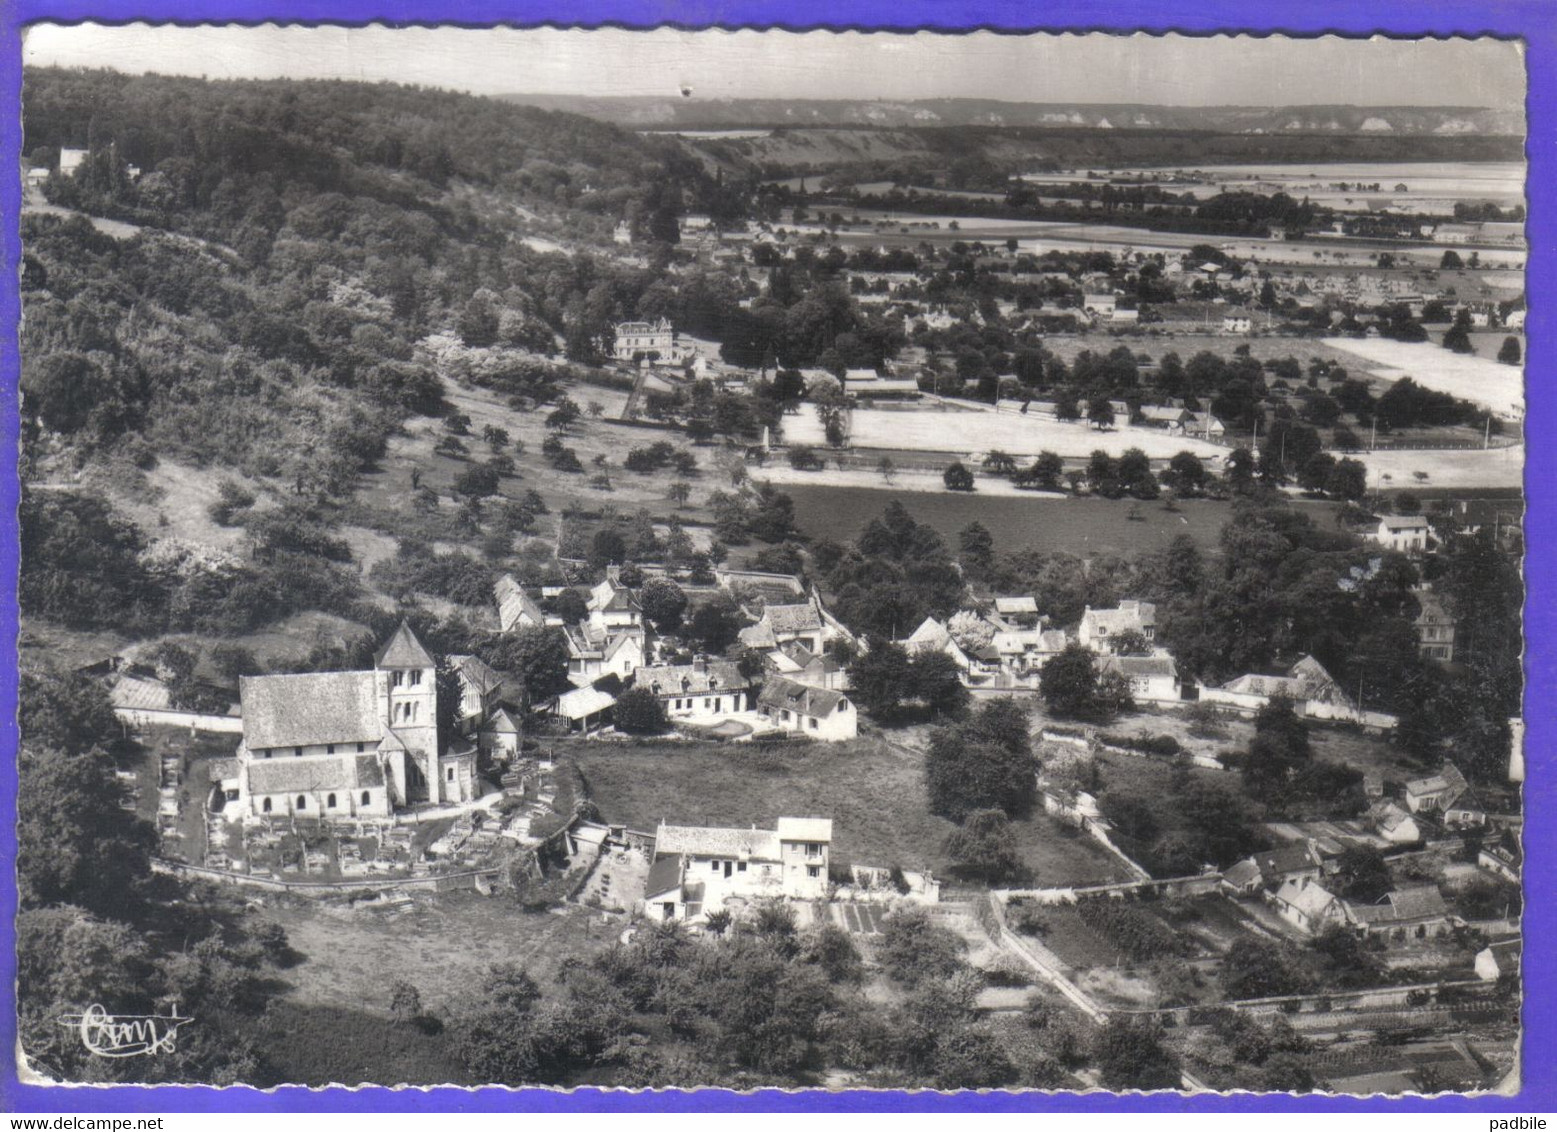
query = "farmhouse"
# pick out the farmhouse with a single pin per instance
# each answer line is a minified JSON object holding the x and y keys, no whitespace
{"x":613,"y":606}
{"x":1307,"y":905}
{"x":1153,"y":679}
{"x":697,"y":869}
{"x":1019,"y":609}
{"x":1394,"y":825}
{"x":704,"y":689}
{"x":818,"y":712}
{"x":1100,"y":626}
{"x":1435,"y":794}
{"x":1236,"y":324}
{"x":349,"y":743}
{"x":803,"y":666}
{"x":1405,"y":533}
{"x":1406,"y":914}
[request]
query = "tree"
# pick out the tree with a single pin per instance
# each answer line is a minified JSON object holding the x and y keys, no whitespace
{"x":663,"y":603}
{"x":957,"y":477}
{"x":1457,"y":337}
{"x":638,"y":711}
{"x":1254,"y":968}
{"x":1450,"y":261}
{"x":1069,"y":682}
{"x":478,"y":481}
{"x":1130,"y":1055}
{"x":937,"y":682}
{"x":1362,"y":875}
{"x":405,"y":1001}
{"x":977,"y":547}
{"x":75,"y":842}
{"x":913,"y":948}
{"x":715,"y":625}
{"x":985,"y":847}
{"x":1347,"y":480}
{"x":607,"y":548}
{"x":1100,"y":413}
{"x":1509,"y":353}
{"x":538,"y":657}
{"x":965,"y":772}
{"x":680,"y":491}
{"x":879,"y":679}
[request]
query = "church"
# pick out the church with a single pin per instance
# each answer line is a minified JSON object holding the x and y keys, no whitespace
{"x":348,"y":744}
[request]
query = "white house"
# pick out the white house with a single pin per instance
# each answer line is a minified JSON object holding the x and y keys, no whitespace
{"x":1437,"y":793}
{"x":698,"y":869}
{"x":70,"y":159}
{"x":820,"y":713}
{"x":595,"y":651}
{"x":703,"y":690}
{"x":1308,"y":906}
{"x":613,"y":606}
{"x":1393,"y":824}
{"x":322,"y":744}
{"x":1099,"y":306}
{"x":932,"y":636}
{"x":1405,"y":533}
{"x":647,"y":341}
{"x":1100,"y":626}
{"x":1236,"y":324}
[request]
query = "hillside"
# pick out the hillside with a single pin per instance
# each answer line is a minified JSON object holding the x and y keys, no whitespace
{"x":252,"y":331}
{"x":652,"y":113}
{"x":870,"y":152}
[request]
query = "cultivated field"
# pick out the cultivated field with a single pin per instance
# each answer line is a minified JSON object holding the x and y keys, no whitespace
{"x":1498,"y":387}
{"x":974,"y":432}
{"x":873,"y":791}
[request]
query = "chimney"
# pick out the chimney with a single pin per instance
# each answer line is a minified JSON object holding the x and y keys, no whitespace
{"x":700,"y":663}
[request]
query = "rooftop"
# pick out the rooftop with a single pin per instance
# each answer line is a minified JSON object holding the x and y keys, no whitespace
{"x":403,"y":650}
{"x":802,"y":698}
{"x":309,"y":708}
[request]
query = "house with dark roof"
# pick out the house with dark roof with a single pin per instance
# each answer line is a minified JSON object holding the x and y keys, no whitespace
{"x":480,"y":687}
{"x":322,"y":744}
{"x":699,"y":869}
{"x":1435,"y":626}
{"x":1152,"y":679}
{"x":705,"y":689}
{"x":1405,"y":915}
{"x":613,"y":606}
{"x":596,"y":649}
{"x":820,"y":713}
{"x":515,"y":608}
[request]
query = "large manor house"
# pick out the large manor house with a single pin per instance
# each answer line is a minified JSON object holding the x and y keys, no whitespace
{"x":322,"y":744}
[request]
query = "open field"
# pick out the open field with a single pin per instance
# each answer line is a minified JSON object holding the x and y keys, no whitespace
{"x":1081,"y":525}
{"x":873,"y":791}
{"x":1469,"y":377}
{"x":935,"y":429}
{"x":442,"y":946}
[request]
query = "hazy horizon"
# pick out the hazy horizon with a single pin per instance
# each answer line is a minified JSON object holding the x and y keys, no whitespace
{"x":1098,"y":69}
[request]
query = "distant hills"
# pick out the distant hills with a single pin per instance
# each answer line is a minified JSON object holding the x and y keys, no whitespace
{"x":663,"y":113}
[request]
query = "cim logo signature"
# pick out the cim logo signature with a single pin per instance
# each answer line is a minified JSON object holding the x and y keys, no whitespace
{"x":129,"y":1035}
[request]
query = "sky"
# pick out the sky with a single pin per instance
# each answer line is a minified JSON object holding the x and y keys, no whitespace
{"x":1098,"y":68}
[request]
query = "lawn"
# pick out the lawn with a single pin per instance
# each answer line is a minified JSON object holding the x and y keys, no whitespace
{"x":325,"y":1045}
{"x":873,"y":791}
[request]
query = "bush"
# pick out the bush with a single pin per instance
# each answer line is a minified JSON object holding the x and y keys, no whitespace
{"x":1137,"y":934}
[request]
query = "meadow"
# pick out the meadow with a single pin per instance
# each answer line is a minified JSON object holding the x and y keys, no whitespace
{"x":873,"y":791}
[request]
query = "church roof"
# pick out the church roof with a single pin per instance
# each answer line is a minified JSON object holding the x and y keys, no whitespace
{"x":343,"y":772}
{"x":403,"y":650}
{"x":308,"y":708}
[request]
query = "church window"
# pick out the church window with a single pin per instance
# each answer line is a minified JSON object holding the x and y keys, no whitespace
{"x":395,"y":678}
{"x":302,"y":802}
{"x":366,"y":798}
{"x":265,"y":806}
{"x":449,"y":774}
{"x":414,"y":676}
{"x":330,"y":802}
